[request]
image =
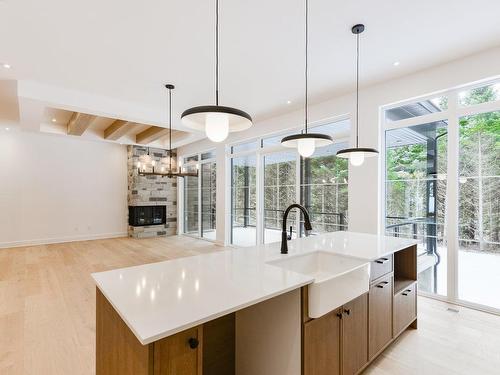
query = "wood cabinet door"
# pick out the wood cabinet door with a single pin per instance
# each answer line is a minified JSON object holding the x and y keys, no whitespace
{"x":379,"y":315}
{"x":180,"y":354}
{"x":405,"y":308}
{"x":355,"y":335}
{"x":322,"y":345}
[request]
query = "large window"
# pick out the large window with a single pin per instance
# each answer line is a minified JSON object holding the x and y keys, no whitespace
{"x":208,"y":199}
{"x":191,"y":198}
{"x":323,"y":189}
{"x":442,"y":182}
{"x":416,"y":194}
{"x":244,"y":200}
{"x":199,"y":199}
{"x":279,"y":192}
{"x":267,"y":178}
{"x":479,"y":207}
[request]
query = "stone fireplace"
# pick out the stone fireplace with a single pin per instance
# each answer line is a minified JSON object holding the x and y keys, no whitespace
{"x":152,"y":200}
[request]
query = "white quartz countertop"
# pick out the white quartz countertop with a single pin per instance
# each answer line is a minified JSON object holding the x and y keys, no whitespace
{"x":160,"y":299}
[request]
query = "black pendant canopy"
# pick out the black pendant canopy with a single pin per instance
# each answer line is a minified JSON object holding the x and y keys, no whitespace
{"x":170,"y":173}
{"x":217,"y":121}
{"x":306,"y":143}
{"x":357,"y":155}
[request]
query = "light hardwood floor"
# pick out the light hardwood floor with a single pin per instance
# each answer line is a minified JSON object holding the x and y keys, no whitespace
{"x":47,"y":299}
{"x":47,"y":313}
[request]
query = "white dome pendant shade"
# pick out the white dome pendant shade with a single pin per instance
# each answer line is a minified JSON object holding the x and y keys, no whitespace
{"x":217,"y":121}
{"x":306,"y":143}
{"x":357,"y":155}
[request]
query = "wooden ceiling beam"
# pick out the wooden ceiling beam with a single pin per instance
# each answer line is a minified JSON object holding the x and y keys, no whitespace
{"x":151,"y":134}
{"x":117,"y":130}
{"x":79,"y":122}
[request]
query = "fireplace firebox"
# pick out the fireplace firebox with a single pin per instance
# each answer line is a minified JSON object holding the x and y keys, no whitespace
{"x":147,"y":215}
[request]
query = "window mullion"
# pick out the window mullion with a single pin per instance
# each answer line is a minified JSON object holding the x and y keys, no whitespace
{"x":452,"y":192}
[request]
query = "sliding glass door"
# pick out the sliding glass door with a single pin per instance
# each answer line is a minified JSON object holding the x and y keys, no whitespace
{"x":415,"y":196}
{"x":199,"y":196}
{"x":479,"y":209}
{"x":442,"y":187}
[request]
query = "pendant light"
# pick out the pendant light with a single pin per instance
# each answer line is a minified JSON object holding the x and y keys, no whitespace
{"x":170,"y":172}
{"x":357,"y":155}
{"x":306,"y":143}
{"x":217,"y":121}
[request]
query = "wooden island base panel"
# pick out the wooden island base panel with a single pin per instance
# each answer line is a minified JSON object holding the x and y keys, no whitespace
{"x":206,"y":349}
{"x":344,"y":341}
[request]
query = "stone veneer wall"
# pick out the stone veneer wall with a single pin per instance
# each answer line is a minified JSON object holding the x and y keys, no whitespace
{"x":152,"y":191}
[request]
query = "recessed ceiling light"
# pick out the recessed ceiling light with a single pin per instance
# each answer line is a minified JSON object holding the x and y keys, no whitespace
{"x":396,"y":63}
{"x":6,"y":66}
{"x":7,"y":129}
{"x":54,"y":120}
{"x":288,"y":102}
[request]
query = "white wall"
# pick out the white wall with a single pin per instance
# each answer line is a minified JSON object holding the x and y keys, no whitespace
{"x":365,"y":188}
{"x":60,"y":188}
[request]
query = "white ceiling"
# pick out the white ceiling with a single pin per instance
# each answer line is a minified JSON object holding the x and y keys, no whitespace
{"x":126,"y":50}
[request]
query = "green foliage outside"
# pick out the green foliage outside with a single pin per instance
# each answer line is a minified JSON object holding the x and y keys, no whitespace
{"x":479,"y":171}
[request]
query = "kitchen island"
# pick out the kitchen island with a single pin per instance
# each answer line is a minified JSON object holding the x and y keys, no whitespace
{"x":246,"y":310}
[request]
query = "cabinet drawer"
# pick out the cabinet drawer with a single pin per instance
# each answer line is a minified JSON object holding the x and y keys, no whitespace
{"x":405,"y":308}
{"x":381,"y":267}
{"x":380,"y":315}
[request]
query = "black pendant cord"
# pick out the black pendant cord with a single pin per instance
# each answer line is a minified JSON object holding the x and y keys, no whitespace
{"x":170,"y":130}
{"x":217,"y":52}
{"x":306,"y":63}
{"x":357,"y":90}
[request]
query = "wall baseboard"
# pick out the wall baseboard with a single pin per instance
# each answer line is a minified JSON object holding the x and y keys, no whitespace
{"x":48,"y":241}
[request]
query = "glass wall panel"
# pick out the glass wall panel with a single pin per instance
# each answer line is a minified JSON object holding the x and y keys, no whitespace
{"x":208,"y":199}
{"x":279,"y":193}
{"x":324,"y":189}
{"x":479,"y":205}
{"x":244,"y":201}
{"x":416,"y":162}
{"x":191,"y":201}
{"x":322,"y":183}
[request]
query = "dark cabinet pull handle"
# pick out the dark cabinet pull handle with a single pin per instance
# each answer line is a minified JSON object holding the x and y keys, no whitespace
{"x":382,"y":260}
{"x":339,"y":315}
{"x":347,"y":311}
{"x":382,"y":284}
{"x":405,"y":293}
{"x":193,"y":343}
